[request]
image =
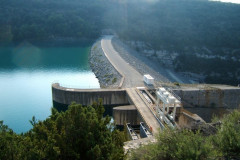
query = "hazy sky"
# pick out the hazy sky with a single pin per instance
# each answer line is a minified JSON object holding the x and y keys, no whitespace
{"x":232,"y":1}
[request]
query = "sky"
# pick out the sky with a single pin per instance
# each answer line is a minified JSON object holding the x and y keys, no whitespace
{"x":232,"y":1}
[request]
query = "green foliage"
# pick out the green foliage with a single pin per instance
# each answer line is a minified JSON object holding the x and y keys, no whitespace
{"x":177,"y":24}
{"x":227,"y":140}
{"x":173,"y":144}
{"x":146,"y":152}
{"x":79,"y":133}
{"x":217,"y":70}
{"x":114,"y":80}
{"x":107,"y":80}
{"x":185,"y":144}
{"x":10,"y":143}
{"x":176,"y":84}
{"x":215,"y":118}
{"x":83,"y":133}
{"x":43,"y":20}
{"x":166,"y":24}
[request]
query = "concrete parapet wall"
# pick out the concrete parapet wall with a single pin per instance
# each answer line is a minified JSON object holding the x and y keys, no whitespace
{"x":212,"y":97}
{"x":126,"y":114}
{"x":87,"y":97}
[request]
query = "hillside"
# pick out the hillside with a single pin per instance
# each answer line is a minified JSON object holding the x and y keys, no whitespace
{"x":197,"y":36}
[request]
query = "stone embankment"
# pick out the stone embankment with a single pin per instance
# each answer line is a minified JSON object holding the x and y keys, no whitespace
{"x":107,"y":75}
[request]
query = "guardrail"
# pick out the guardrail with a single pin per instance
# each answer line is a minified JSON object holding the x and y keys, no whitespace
{"x":77,"y":86}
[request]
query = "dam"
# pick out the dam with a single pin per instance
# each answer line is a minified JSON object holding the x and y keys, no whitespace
{"x":154,"y":107}
{"x":130,"y":105}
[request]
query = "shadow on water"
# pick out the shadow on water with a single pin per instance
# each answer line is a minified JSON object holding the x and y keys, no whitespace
{"x":33,"y":58}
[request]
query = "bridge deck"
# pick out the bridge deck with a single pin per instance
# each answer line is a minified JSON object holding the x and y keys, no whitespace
{"x":144,"y":111}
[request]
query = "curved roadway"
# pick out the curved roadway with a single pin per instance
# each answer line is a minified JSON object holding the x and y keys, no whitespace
{"x":132,"y":77}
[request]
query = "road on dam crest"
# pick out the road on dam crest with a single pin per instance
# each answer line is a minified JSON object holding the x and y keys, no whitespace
{"x":132,"y":77}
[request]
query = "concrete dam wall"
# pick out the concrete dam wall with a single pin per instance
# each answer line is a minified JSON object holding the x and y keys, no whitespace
{"x":86,"y":97}
{"x":123,"y":113}
{"x":220,"y":97}
{"x":126,"y":114}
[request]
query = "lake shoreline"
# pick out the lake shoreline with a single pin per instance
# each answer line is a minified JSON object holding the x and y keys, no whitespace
{"x":106,"y":74}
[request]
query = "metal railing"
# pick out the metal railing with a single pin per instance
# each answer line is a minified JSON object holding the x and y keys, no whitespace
{"x":77,"y":86}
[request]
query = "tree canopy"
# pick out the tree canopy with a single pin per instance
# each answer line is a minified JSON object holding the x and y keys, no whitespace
{"x":79,"y":133}
{"x":187,"y":144}
{"x":164,"y":24}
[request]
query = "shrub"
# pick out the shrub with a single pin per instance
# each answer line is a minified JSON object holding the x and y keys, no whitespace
{"x":114,"y":80}
{"x":227,"y":140}
{"x":176,"y":144}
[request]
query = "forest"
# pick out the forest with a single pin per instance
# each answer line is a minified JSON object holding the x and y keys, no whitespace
{"x":41,"y":20}
{"x":181,"y":26}
{"x":166,"y":24}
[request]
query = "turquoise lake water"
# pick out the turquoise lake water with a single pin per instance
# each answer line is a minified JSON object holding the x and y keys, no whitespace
{"x":26,"y":75}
